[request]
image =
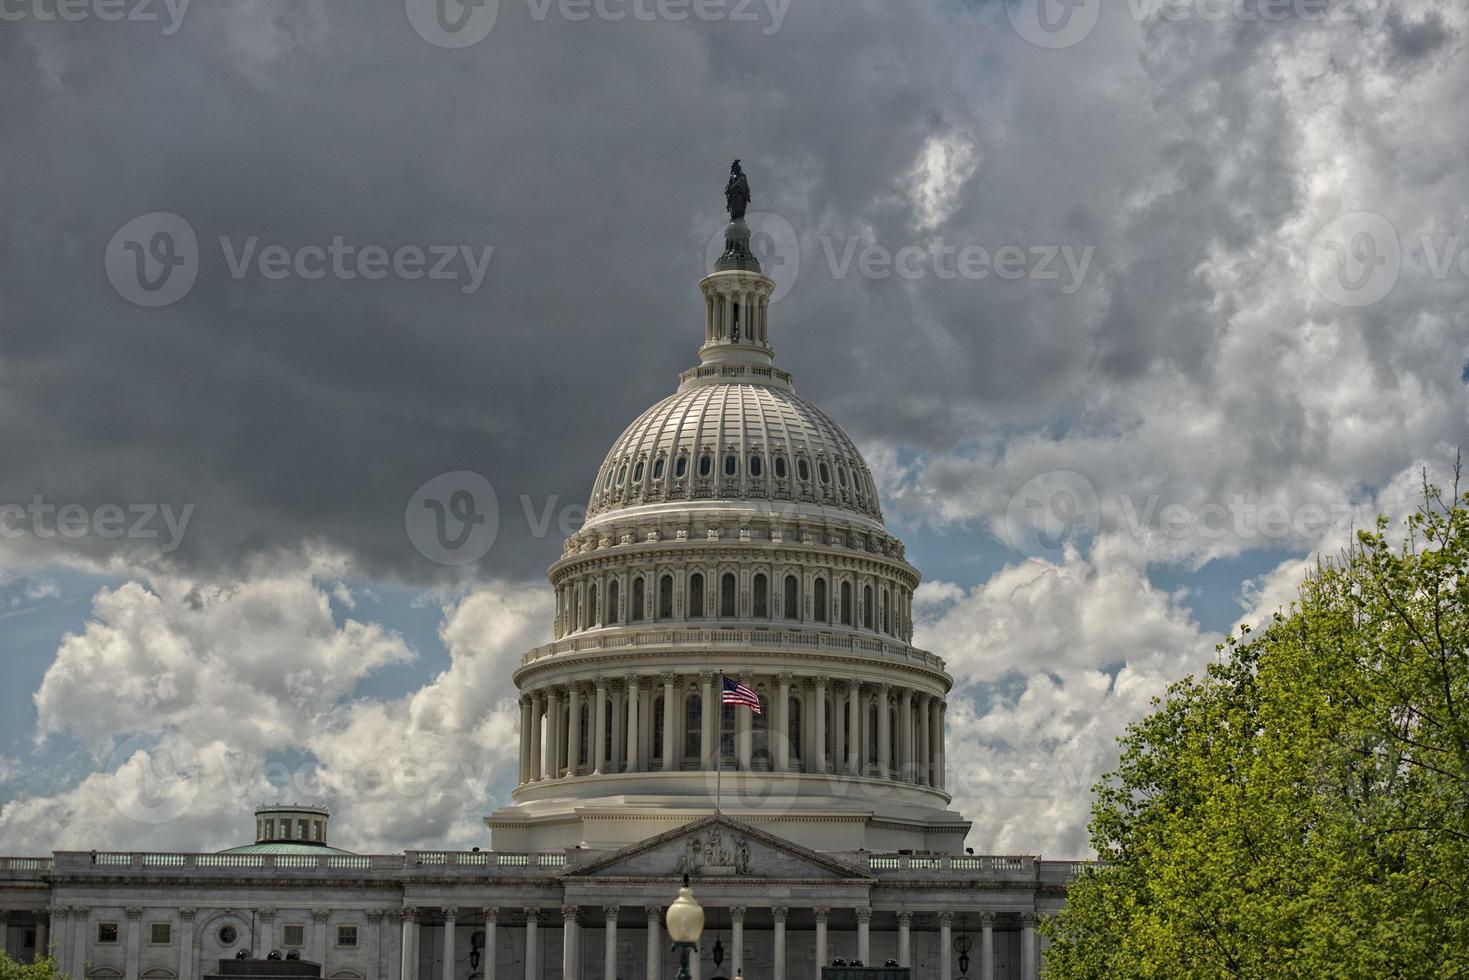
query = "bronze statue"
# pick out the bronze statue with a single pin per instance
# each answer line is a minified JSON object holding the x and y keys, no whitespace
{"x":737,"y":193}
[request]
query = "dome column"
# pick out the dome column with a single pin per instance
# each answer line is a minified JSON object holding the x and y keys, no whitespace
{"x":854,"y":728}
{"x":819,"y":755}
{"x":782,"y":734}
{"x":706,"y":734}
{"x":884,"y":734}
{"x":634,"y":753}
{"x":599,"y":730}
{"x":744,"y":732}
{"x":905,"y":736}
{"x":524,"y":740}
{"x":573,"y":727}
{"x":537,"y":707}
{"x":669,"y":709}
{"x":925,"y":767}
{"x":553,"y":734}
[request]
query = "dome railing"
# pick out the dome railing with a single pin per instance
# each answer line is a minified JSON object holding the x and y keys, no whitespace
{"x":725,"y":639}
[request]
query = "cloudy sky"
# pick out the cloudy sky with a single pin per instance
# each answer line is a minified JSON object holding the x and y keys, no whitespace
{"x":1133,"y":307}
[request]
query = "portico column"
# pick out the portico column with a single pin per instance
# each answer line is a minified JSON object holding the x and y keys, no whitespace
{"x":707,"y":747}
{"x":570,"y":939}
{"x":634,"y":758}
{"x":737,"y":937}
{"x":654,"y":953}
{"x":905,"y":938}
{"x":410,"y":943}
{"x":492,"y":921}
{"x":43,"y":933}
{"x":854,"y":736}
{"x":1029,"y":968}
{"x":779,"y":914}
{"x":599,"y":727}
{"x":451,"y":922}
{"x":319,"y":919}
{"x":781,"y":736}
{"x":135,"y":926}
{"x":670,"y":714}
{"x":532,"y":945}
{"x":744,"y":734}
{"x":573,"y":729}
{"x":821,"y":913}
{"x":986,"y":946}
{"x":61,"y":944}
{"x":537,"y":708}
{"x":864,"y":935}
{"x":884,"y":734}
{"x":186,"y":943}
{"x":79,"y":947}
{"x":375,"y":937}
{"x":609,"y":942}
{"x":924,"y":767}
{"x":820,"y":712}
{"x":946,"y":945}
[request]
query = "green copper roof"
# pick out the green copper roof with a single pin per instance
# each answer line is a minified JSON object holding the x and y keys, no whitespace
{"x":285,"y":847}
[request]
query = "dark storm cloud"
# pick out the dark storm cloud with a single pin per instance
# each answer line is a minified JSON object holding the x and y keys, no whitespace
{"x":590,"y":156}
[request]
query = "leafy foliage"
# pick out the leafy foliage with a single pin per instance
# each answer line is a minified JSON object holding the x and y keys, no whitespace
{"x":1302,"y":810}
{"x":42,"y":969}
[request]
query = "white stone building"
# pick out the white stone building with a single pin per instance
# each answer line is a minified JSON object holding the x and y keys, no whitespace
{"x":734,"y":531}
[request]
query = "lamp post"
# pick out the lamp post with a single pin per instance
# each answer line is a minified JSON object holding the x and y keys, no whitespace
{"x":685,"y":925}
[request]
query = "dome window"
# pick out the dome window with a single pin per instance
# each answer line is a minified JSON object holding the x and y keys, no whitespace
{"x":762,"y":597}
{"x":792,"y":598}
{"x":731,"y":465}
{"x":841,"y":475}
{"x":622,"y":474}
{"x":780,"y":467}
{"x":824,"y":471}
{"x":658,"y":469}
{"x":681,"y":468}
{"x":803,"y":470}
{"x":637,"y":472}
{"x":727,"y":596}
{"x":818,"y":594}
{"x":706,"y":464}
{"x":639,"y":597}
{"x":665,"y":597}
{"x":757,"y":466}
{"x":607,"y":483}
{"x":696,"y":596}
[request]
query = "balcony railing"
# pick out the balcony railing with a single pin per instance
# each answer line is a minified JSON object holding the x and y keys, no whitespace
{"x":705,"y":639}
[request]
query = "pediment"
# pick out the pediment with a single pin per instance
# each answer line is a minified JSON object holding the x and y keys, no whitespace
{"x":717,"y":847}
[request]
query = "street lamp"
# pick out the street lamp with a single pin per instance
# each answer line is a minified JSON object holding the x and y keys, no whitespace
{"x":685,"y":925}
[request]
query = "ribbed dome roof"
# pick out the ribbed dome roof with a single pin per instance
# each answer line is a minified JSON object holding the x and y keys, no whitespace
{"x":285,"y":847}
{"x":717,"y":440}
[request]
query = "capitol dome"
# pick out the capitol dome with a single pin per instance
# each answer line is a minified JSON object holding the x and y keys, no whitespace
{"x":734,"y":537}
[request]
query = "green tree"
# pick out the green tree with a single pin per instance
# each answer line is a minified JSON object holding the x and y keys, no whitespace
{"x":1301,"y":810}
{"x":42,"y":969}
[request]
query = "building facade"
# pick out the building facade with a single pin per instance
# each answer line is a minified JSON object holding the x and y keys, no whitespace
{"x":734,"y":532}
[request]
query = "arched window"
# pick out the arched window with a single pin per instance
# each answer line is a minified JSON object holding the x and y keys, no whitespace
{"x":637,"y":472}
{"x":607,"y":483}
{"x":803,"y":469}
{"x":585,"y":737}
{"x":639,"y":596}
{"x":727,"y":596}
{"x":613,"y":595}
{"x":872,"y":733}
{"x":706,"y":464}
{"x":696,"y":596}
{"x":884,"y":620}
{"x":609,"y":750}
{"x":622,"y":474}
{"x":762,"y":596}
{"x":846,"y":603}
{"x":665,"y":597}
{"x":592,"y":606}
{"x":693,"y":726}
{"x":780,"y":467}
{"x":792,"y":597}
{"x":658,"y":469}
{"x":823,"y":471}
{"x":731,"y":465}
{"x":793,"y":726}
{"x":867,"y":606}
{"x":818,"y":598}
{"x":757,"y":466}
{"x":681,"y":467}
{"x":658,"y":729}
{"x":842,"y":475}
{"x":575,"y":609}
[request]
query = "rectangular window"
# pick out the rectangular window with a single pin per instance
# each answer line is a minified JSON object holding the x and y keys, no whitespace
{"x":294,"y":936}
{"x":301,"y":832}
{"x":107,"y":932}
{"x":346,"y":935}
{"x":160,"y":933}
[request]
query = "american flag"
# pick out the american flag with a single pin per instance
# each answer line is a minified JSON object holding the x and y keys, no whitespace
{"x":738,"y":694}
